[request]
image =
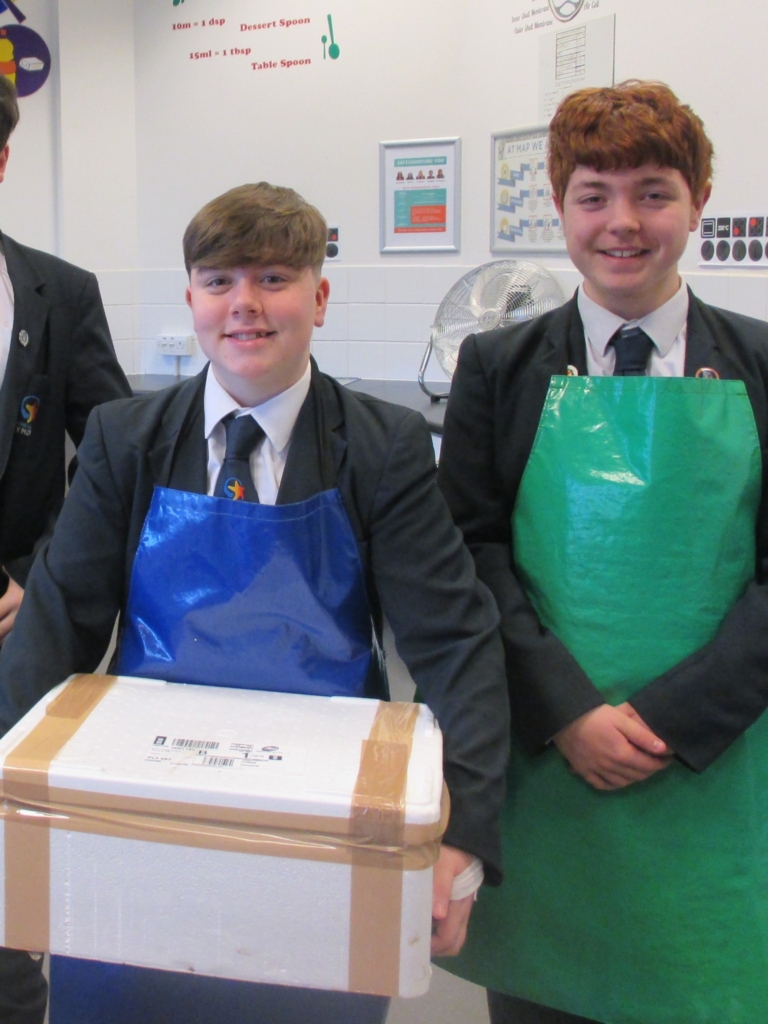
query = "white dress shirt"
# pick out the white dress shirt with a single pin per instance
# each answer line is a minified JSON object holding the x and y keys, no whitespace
{"x":665,"y":326}
{"x":276,"y":417}
{"x":6,"y":314}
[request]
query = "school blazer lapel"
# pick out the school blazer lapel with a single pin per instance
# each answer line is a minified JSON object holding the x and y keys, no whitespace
{"x":179,"y":457}
{"x":303,"y":475}
{"x":702,"y":351}
{"x":28,"y":338}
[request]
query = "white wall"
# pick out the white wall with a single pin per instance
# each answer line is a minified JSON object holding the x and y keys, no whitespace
{"x":28,"y":196}
{"x":98,"y":209}
{"x":148,"y":135}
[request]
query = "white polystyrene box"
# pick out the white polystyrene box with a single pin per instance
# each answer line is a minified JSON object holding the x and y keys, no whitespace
{"x":129,"y":821}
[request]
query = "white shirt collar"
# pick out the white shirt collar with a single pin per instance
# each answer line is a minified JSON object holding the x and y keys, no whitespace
{"x":662,"y":326}
{"x":277,"y":416}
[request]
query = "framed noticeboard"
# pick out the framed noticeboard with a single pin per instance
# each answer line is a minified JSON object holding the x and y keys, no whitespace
{"x":420,"y":195}
{"x":523,"y":216}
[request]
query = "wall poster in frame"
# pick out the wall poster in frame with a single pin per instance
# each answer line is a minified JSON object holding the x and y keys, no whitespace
{"x":420,"y":195}
{"x":523,"y":216}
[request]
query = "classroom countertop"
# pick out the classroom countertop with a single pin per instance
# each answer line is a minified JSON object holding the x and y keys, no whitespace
{"x":401,"y":392}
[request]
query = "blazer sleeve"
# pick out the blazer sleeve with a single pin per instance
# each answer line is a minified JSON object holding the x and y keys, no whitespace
{"x":74,"y":590}
{"x":479,"y":474}
{"x":445,"y":627}
{"x":94,"y":375}
{"x":704,"y":703}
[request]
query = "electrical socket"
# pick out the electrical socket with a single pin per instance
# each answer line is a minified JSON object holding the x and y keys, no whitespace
{"x":177,"y":344}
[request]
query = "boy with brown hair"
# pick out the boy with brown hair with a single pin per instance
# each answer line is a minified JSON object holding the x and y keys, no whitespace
{"x":262,"y":425}
{"x":606,"y":464}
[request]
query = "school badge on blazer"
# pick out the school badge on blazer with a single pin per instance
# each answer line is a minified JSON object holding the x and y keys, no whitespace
{"x":30,"y":406}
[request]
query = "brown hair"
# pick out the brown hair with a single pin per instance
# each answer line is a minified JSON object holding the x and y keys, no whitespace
{"x":9,"y":110}
{"x":628,"y":125}
{"x":259,"y":224}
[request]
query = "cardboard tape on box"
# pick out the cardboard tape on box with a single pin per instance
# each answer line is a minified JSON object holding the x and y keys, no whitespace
{"x":27,"y":835}
{"x":375,"y":840}
{"x":378,"y":807}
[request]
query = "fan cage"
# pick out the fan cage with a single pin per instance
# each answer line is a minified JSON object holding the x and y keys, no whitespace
{"x":497,"y":294}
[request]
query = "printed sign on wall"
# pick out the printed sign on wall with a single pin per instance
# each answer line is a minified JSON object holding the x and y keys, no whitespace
{"x":528,"y":16}
{"x":263,"y":43}
{"x":575,"y":57}
{"x":523,"y":215}
{"x":419,"y":195}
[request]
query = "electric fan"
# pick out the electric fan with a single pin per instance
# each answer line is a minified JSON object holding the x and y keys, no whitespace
{"x":496,"y":294}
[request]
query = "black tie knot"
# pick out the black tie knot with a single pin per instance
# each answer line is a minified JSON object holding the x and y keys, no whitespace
{"x":633,"y":349}
{"x":243,"y":434}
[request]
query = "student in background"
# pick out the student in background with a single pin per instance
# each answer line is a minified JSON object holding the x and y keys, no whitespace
{"x":56,"y":363}
{"x":606,"y":464}
{"x":261,"y":424}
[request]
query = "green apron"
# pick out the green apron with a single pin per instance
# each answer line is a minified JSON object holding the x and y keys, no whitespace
{"x":634,"y":534}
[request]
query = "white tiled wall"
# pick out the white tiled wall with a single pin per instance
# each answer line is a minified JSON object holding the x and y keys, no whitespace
{"x":378,"y":320}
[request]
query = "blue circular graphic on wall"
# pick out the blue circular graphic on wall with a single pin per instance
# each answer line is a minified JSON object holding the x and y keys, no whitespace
{"x":565,"y":10}
{"x":24,"y":58}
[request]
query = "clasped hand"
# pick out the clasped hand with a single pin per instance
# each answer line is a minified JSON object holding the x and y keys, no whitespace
{"x":449,"y":917}
{"x":612,"y":747}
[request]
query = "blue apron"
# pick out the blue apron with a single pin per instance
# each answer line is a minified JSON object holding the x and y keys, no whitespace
{"x":264,"y":597}
{"x":229,"y":593}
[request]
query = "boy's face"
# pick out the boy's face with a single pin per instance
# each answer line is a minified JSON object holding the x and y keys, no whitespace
{"x":625,"y":231}
{"x":255,"y":324}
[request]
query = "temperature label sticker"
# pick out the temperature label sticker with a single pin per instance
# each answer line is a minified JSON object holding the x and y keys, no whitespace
{"x":207,"y":753}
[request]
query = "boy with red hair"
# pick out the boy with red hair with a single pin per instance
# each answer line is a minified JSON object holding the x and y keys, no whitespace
{"x":606,"y":464}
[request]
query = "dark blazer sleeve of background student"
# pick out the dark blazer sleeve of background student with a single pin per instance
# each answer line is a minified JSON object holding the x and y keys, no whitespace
{"x":698,"y":707}
{"x":418,"y":571}
{"x":61,"y":355}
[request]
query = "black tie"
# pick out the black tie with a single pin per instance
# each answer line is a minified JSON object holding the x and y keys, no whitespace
{"x":633,"y":348}
{"x":234,"y":480}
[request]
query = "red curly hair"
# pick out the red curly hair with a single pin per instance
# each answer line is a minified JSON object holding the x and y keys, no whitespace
{"x":628,"y":125}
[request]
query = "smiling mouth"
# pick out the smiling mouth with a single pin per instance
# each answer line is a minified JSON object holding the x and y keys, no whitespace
{"x":623,"y":254}
{"x":249,"y":335}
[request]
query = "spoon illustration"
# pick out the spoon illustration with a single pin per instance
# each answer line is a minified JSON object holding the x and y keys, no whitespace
{"x":333,"y":49}
{"x":323,"y":40}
